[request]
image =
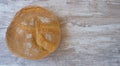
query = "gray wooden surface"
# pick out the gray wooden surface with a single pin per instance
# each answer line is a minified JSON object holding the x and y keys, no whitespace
{"x":90,"y":32}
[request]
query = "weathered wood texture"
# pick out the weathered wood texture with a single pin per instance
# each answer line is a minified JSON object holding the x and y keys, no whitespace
{"x":90,"y":32}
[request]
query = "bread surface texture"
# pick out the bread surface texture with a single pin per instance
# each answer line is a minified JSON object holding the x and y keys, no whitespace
{"x":34,"y":33}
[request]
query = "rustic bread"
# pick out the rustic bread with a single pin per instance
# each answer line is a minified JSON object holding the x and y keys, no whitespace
{"x":33,"y":33}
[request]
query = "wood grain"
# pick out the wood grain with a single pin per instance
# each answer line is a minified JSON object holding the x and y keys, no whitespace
{"x":90,"y":32}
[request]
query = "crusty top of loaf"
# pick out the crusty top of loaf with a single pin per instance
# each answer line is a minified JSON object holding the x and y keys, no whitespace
{"x":33,"y":33}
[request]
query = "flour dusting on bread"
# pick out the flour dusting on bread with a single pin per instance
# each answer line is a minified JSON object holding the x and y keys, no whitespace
{"x":48,"y":37}
{"x":24,"y":23}
{"x":19,"y":31}
{"x":44,"y":19}
{"x":28,"y":45}
{"x":27,"y":52}
{"x":28,"y":36}
{"x":32,"y":22}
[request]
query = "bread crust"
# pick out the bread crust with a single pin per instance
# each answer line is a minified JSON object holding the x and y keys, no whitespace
{"x":34,"y":33}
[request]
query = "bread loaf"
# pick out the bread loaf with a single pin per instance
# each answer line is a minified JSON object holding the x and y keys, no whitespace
{"x":34,"y":33}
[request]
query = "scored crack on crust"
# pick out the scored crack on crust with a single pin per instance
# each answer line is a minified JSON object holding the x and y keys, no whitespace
{"x":37,"y":32}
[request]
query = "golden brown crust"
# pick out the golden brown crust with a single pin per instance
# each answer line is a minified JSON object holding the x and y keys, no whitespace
{"x":33,"y":33}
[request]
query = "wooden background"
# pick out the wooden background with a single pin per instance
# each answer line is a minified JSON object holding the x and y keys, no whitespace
{"x":90,"y":32}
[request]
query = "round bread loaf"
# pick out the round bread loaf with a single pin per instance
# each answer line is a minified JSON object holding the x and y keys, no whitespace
{"x":34,"y":33}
